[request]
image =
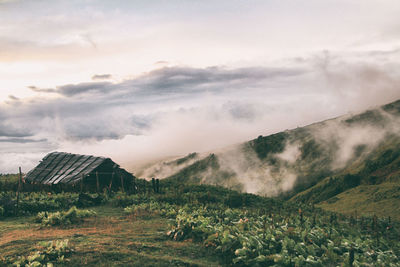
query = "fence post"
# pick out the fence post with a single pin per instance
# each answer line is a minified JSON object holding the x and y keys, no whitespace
{"x":82,"y":183}
{"x":19,"y":187}
{"x":153,"y":183}
{"x":157,"y":186}
{"x":112,"y":178}
{"x":122,"y":182}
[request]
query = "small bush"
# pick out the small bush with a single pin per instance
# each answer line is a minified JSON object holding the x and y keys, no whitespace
{"x":72,"y":216}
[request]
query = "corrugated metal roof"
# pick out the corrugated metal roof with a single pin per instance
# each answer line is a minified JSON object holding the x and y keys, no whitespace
{"x":60,"y":167}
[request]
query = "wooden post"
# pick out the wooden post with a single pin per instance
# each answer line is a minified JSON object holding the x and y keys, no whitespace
{"x":19,"y":187}
{"x":157,"y":186}
{"x":153,"y":183}
{"x":97,"y":182}
{"x":112,"y":178}
{"x":82,"y":183}
{"x":20,"y":178}
{"x":122,"y":183}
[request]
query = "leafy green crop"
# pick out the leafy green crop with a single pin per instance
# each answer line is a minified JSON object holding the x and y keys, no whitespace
{"x":248,"y":239}
{"x":72,"y":216}
{"x":163,"y":209}
{"x":31,"y":203}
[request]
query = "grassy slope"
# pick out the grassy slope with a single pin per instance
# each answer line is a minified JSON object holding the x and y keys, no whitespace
{"x":382,"y":200}
{"x":374,"y":186}
{"x":110,"y":239}
{"x":316,"y":182}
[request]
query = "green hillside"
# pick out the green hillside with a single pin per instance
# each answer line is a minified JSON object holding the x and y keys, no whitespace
{"x":312,"y":164}
{"x":368,"y":187}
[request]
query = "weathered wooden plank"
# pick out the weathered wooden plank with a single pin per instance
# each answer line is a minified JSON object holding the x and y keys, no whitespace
{"x":69,"y":166}
{"x":42,"y":177}
{"x":56,"y":170}
{"x":81,"y":162}
{"x":47,"y":160}
{"x":78,"y":170}
{"x":85,"y":170}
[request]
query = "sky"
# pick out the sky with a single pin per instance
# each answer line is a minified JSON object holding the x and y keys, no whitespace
{"x":141,"y":80}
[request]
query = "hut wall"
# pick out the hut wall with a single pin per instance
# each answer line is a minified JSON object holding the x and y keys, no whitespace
{"x":107,"y":172}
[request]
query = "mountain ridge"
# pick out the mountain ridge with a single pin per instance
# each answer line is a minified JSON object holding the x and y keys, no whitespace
{"x":311,"y":164}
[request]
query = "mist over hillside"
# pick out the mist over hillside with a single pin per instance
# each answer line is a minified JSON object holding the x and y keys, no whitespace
{"x":291,"y":161}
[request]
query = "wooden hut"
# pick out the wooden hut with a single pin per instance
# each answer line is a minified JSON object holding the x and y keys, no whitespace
{"x":91,"y":173}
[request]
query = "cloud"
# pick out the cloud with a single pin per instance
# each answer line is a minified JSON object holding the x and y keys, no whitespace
{"x":101,"y":77}
{"x":89,"y":87}
{"x":161,"y":62}
{"x":12,"y":97}
{"x":7,"y":1}
{"x":180,"y":80}
{"x":184,"y":79}
{"x":20,"y":50}
{"x":9,"y":130}
{"x":42,"y":90}
{"x":88,"y":38}
{"x":365,"y":77}
{"x":389,"y":52}
{"x":21,"y":140}
{"x":180,"y":109}
{"x":9,"y":162}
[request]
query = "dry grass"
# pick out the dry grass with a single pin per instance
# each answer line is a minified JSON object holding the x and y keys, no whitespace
{"x":382,"y":200}
{"x":110,"y":239}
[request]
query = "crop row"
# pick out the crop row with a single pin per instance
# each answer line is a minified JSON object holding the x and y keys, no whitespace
{"x":247,"y":239}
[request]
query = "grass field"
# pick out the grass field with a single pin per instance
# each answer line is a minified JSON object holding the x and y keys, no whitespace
{"x":382,"y":200}
{"x":192,"y":225}
{"x":109,"y":239}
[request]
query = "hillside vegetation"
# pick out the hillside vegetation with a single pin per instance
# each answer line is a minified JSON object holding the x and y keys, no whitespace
{"x":312,"y":164}
{"x":323,"y":195}
{"x":189,"y":225}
